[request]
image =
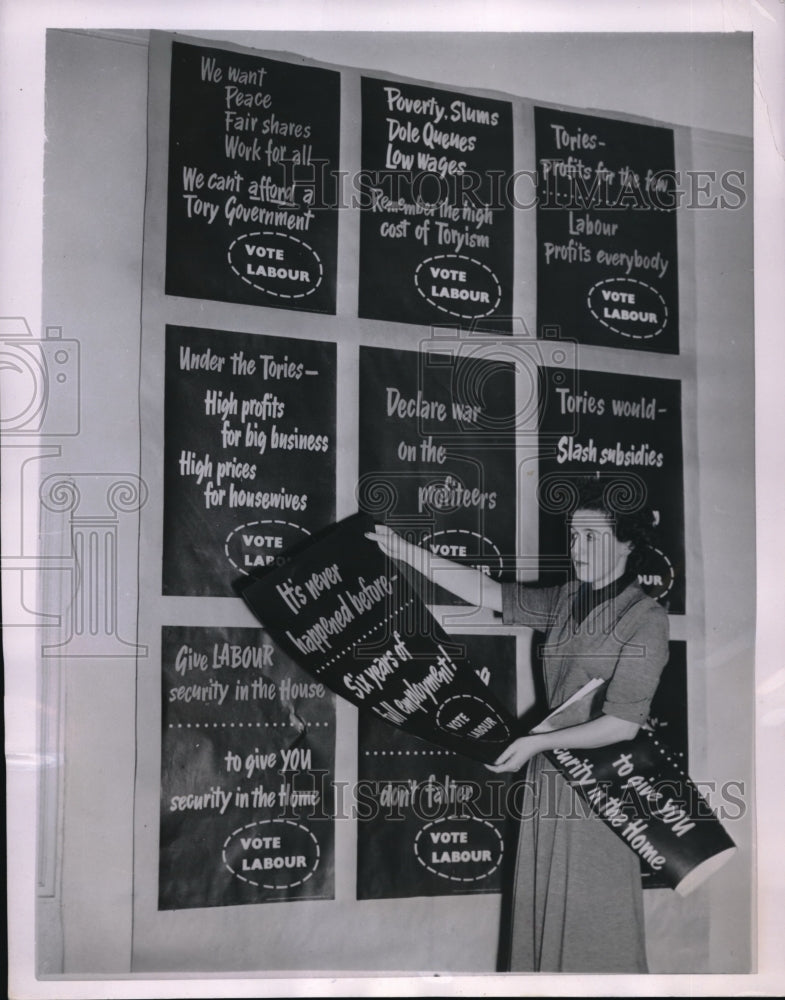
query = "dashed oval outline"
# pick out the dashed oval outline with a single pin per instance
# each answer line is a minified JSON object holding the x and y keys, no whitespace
{"x":671,"y":570}
{"x":248,"y":524}
{"x":615,"y":329}
{"x":466,"y":531}
{"x":490,"y":708}
{"x":453,"y":312}
{"x":458,"y":878}
{"x":269,"y":291}
{"x":267,"y":822}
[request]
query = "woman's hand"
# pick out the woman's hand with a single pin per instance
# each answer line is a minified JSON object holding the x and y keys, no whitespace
{"x":391,"y":544}
{"x":468,"y":584}
{"x":603,"y":731}
{"x":516,"y":755}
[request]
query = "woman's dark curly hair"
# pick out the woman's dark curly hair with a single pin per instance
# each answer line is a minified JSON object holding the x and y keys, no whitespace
{"x":622,"y":502}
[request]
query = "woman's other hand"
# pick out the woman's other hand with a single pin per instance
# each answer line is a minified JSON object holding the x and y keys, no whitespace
{"x":516,"y":755}
{"x":603,"y":731}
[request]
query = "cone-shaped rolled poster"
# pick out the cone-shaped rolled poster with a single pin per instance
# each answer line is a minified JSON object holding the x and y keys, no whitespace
{"x":345,"y":613}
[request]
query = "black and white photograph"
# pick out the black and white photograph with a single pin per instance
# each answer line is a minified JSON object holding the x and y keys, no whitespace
{"x":390,"y":439}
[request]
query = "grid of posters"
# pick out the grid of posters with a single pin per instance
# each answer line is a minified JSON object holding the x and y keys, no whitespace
{"x":250,"y":438}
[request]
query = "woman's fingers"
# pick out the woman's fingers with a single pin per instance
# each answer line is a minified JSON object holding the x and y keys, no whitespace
{"x":383,"y":541}
{"x":501,"y":764}
{"x":514,"y":756}
{"x":386,"y":539}
{"x":379,"y":533}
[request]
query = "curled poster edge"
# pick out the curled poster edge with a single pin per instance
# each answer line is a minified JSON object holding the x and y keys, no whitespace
{"x":698,"y":875}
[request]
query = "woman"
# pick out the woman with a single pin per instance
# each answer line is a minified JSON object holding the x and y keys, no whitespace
{"x":577,"y":903}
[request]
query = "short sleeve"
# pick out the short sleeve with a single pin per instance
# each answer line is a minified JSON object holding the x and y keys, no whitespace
{"x":534,"y":607}
{"x":644,"y":631}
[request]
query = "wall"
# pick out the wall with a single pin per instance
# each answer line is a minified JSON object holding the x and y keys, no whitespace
{"x":94,"y":172}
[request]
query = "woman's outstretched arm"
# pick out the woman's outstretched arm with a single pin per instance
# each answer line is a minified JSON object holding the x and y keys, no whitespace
{"x":470,"y":585}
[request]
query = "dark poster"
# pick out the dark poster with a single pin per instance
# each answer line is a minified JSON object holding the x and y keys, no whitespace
{"x":432,"y":823}
{"x":437,"y":455}
{"x":436,"y":232}
{"x":626,"y":429}
{"x":253,"y":149}
{"x":343,"y":611}
{"x":247,"y":766}
{"x":249,"y":453}
{"x":606,"y":232}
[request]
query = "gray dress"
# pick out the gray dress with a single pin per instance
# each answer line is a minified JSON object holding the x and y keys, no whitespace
{"x":577,"y":903}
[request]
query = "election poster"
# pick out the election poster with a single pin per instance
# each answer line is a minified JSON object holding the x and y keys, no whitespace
{"x":437,"y":455}
{"x":436,"y":230}
{"x":607,"y":268}
{"x":252,"y":215}
{"x":626,"y":431}
{"x":249,"y":453}
{"x":432,"y":822}
{"x":247,"y":762}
